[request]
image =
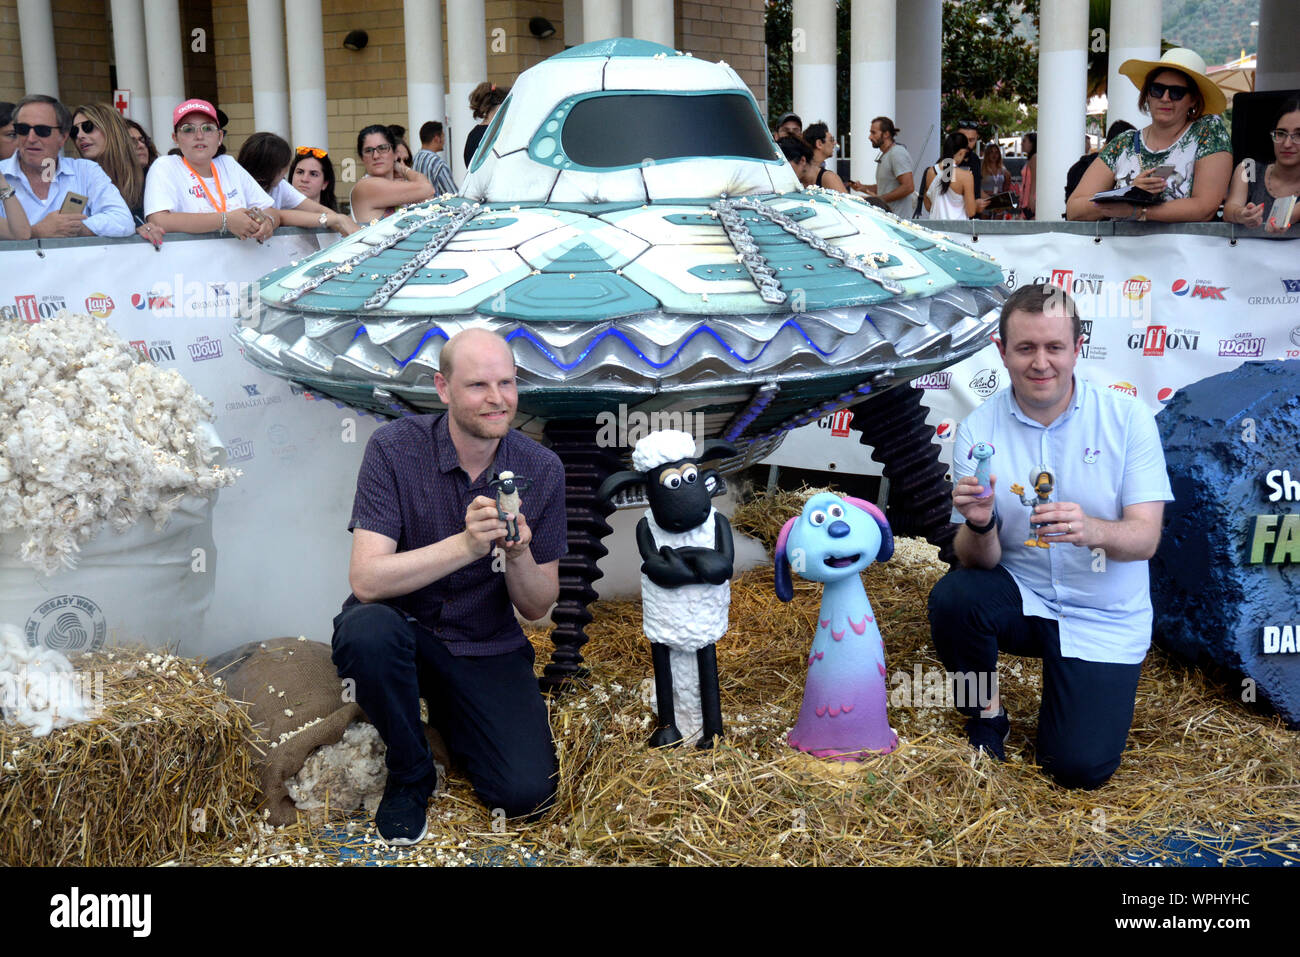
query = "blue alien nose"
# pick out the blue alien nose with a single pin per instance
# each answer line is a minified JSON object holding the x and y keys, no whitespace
{"x":838,"y":529}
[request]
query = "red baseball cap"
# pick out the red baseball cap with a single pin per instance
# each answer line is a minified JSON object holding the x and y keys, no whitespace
{"x":194,"y":106}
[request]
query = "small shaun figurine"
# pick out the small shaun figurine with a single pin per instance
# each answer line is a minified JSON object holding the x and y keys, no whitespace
{"x":982,"y":452}
{"x":508,"y":486}
{"x":1043,"y":481}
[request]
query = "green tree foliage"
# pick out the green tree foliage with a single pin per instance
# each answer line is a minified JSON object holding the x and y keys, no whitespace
{"x":989,"y":54}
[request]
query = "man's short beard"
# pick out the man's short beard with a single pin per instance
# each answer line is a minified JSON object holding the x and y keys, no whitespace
{"x":471,"y":425}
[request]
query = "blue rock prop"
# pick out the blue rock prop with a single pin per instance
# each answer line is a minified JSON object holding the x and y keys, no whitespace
{"x":1226,"y":572}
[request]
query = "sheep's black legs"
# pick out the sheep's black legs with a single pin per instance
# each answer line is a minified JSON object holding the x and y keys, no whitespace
{"x":710,"y":700}
{"x":666,"y":734}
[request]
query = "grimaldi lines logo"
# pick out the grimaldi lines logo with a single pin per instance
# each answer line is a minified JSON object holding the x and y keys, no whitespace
{"x":1244,"y":345}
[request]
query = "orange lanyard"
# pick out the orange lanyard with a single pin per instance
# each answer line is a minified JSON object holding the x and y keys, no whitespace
{"x":216,"y":179}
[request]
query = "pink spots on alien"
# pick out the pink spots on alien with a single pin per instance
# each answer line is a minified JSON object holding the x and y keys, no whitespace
{"x":858,"y":627}
{"x":826,"y":623}
{"x":837,"y":635}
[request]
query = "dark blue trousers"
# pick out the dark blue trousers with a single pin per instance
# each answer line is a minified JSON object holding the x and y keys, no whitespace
{"x":489,"y":709}
{"x":1087,"y":706}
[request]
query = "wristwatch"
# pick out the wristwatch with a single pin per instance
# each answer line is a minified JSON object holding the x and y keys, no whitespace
{"x":6,"y":193}
{"x":324,"y":218}
{"x":983,"y":529}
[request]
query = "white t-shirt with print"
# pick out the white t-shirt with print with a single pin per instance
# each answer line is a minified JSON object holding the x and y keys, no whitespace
{"x":170,"y":186}
{"x":285,"y":196}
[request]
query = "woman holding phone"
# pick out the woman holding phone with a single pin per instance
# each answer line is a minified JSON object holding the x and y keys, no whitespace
{"x":1184,"y":156}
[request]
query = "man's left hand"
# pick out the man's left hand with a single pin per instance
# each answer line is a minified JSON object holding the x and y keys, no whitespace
{"x":514,"y":550}
{"x":1064,"y":522}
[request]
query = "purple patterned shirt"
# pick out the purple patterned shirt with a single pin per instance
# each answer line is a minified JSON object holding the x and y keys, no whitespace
{"x":412,"y":488}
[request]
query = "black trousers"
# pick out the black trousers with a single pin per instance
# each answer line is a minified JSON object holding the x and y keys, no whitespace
{"x":489,"y":709}
{"x":1087,"y":706}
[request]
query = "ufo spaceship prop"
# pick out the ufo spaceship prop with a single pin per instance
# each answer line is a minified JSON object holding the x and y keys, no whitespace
{"x":630,"y":228}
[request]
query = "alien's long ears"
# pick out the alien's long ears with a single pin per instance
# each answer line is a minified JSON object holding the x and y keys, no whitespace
{"x":781,"y":565}
{"x":886,"y":533}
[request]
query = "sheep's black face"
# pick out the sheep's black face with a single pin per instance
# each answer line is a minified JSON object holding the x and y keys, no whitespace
{"x":679,"y":496}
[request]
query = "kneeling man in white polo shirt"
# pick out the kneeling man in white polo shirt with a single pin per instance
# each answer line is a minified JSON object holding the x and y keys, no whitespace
{"x":1056,"y":566}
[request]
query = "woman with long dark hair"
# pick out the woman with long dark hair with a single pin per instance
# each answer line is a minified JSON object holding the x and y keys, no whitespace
{"x":312,"y":174}
{"x":387,"y":183}
{"x":1252,"y":195}
{"x":267,"y":158}
{"x":818,"y":136}
{"x":484,"y":101}
{"x":947,"y":190}
{"x":1029,"y":175}
{"x":145,"y":151}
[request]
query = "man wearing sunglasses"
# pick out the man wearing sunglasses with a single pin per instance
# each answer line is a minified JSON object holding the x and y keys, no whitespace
{"x":42,"y":178}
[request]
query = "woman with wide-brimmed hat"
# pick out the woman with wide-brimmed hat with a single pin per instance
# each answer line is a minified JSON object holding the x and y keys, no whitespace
{"x":1185,"y":133}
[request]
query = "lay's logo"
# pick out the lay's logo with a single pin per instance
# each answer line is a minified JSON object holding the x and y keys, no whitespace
{"x":99,"y":305}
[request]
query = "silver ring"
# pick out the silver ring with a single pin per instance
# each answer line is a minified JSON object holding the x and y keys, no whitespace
{"x":1069,"y":527}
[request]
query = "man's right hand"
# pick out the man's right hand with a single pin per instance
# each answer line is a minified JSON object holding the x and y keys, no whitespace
{"x":483,"y":526}
{"x":965,"y":498}
{"x":58,"y":224}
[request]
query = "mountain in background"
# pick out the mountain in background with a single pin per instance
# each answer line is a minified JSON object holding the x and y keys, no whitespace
{"x":1216,"y":29}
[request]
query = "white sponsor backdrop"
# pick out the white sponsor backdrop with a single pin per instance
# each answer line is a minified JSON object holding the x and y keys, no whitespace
{"x":280,"y":533}
{"x":1160,"y":312}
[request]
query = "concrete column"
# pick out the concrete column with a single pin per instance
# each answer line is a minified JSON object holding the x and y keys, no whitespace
{"x":601,"y":20}
{"x":1062,"y":100}
{"x":426,"y":95}
{"x":1278,"y":66}
{"x":572,"y":22}
{"x":920,"y":49}
{"x":307,"y":73}
{"x":270,"y":81}
{"x":466,"y":69}
{"x":871,"y":80}
{"x":131,"y":58}
{"x":813,"y":54}
{"x":1134,"y":35}
{"x":162,"y":33}
{"x":653,"y":20}
{"x":36,"y":38}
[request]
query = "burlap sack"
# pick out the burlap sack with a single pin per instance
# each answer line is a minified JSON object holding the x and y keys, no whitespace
{"x":287,"y":683}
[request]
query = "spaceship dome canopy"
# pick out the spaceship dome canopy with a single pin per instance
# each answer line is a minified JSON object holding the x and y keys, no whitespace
{"x":595,"y":124}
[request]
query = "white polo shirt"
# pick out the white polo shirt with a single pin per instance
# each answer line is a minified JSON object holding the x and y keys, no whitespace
{"x":170,"y":186}
{"x":1104,"y":452}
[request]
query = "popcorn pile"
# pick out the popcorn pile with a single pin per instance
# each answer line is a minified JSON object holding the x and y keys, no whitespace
{"x":94,"y":436}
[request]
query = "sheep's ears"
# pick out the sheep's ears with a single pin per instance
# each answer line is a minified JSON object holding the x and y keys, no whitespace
{"x":714,"y":449}
{"x":784,"y":587}
{"x":616,"y":483}
{"x":886,"y":533}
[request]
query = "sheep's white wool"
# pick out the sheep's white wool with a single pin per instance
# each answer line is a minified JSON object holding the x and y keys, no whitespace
{"x":351,"y":770}
{"x":38,"y":687}
{"x":657,"y":448}
{"x":94,"y":436}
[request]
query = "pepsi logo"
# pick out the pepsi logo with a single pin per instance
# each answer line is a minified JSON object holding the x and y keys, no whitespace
{"x":1165,"y":394}
{"x":942,"y":429}
{"x":138,"y":301}
{"x":1181,"y":287}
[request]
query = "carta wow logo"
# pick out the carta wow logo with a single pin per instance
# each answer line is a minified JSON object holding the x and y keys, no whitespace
{"x":1200,"y":289}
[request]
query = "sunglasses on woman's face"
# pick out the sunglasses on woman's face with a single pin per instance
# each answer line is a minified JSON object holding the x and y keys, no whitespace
{"x":87,"y":127}
{"x":312,"y":151}
{"x":22,"y":129}
{"x":1176,"y":93}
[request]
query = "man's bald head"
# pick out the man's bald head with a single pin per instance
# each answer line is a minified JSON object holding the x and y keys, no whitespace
{"x":474,"y":340}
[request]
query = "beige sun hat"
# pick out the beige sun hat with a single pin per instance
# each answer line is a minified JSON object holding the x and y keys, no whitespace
{"x":1185,"y":61}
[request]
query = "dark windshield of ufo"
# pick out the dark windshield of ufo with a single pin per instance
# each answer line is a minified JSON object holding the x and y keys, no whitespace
{"x":619,"y":130}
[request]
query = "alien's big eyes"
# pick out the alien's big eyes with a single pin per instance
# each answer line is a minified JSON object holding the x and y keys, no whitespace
{"x":836,"y":511}
{"x":689,"y":473}
{"x":818,"y":517}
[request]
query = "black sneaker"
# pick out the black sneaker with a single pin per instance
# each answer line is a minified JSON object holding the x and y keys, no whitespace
{"x":402,"y":815}
{"x":990,"y":734}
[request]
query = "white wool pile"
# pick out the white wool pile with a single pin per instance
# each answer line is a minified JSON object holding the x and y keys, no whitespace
{"x":351,"y":771}
{"x":38,"y":687}
{"x":658,"y":448}
{"x":93,"y":436}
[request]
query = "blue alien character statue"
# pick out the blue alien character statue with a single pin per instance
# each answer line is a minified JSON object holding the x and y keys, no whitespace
{"x":844,"y":713}
{"x":982,"y":452}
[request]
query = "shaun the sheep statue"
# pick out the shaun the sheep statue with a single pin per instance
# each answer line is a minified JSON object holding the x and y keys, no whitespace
{"x":687,"y":555}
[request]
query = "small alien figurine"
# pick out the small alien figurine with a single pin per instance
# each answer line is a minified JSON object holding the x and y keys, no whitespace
{"x":1043,"y":481}
{"x":982,"y":452}
{"x":508,"y":486}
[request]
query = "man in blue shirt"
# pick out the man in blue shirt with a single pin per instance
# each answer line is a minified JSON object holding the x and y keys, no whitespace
{"x":43,"y":177}
{"x":435,"y":585}
{"x":1063,"y":578}
{"x":429,"y":161}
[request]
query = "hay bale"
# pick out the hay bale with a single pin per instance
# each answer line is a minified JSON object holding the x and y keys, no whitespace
{"x":763,"y":515}
{"x":164,"y":770}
